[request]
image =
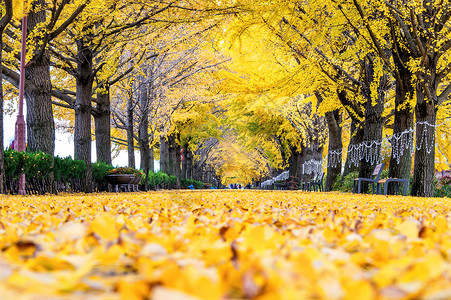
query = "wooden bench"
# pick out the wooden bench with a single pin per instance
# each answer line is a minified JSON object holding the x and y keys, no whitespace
{"x":397,"y":181}
{"x":375,"y":177}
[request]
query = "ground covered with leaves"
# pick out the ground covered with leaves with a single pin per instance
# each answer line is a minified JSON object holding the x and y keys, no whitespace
{"x":224,"y":245}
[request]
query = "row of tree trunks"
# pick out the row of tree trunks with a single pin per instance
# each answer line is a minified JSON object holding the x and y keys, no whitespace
{"x":170,"y":160}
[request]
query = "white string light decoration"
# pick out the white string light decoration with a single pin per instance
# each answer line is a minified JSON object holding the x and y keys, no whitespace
{"x":312,"y":166}
{"x":334,"y":158}
{"x":372,"y":152}
{"x":400,"y":142}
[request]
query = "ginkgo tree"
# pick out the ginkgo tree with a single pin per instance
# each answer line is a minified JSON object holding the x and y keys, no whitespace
{"x":46,"y":21}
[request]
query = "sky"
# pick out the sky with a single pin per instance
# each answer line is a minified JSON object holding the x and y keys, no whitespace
{"x":64,"y":145}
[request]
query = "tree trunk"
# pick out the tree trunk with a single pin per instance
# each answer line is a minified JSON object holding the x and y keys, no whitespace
{"x":151,"y":160}
{"x":372,"y":138}
{"x":401,"y":156}
{"x":335,"y":148}
{"x":197,"y":171}
{"x":185,"y":162}
{"x":38,"y":87}
{"x":189,"y":164}
{"x":178,"y":163}
{"x":82,"y":134}
{"x":295,"y":168}
{"x":313,"y":152}
{"x":172,"y":152}
{"x":143,"y":129}
{"x":130,"y":139}
{"x":103,"y":128}
{"x":374,"y":121}
{"x":163,"y":154}
{"x":424,"y":163}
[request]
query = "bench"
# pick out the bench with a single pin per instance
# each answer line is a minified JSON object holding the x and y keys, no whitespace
{"x":318,"y":183}
{"x":315,"y":183}
{"x":374,"y":179}
{"x":281,"y":185}
{"x":397,"y":181}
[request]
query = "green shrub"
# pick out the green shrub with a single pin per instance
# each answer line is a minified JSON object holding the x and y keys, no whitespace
{"x":67,"y":168}
{"x":347,"y":182}
{"x":100,"y":170}
{"x":13,"y":163}
{"x":157,"y":180}
{"x":384,"y":174}
{"x":160,"y":180}
{"x":37,"y":164}
{"x":34,"y":164}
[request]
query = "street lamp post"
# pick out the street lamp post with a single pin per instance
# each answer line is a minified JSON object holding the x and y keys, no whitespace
{"x":19,"y":138}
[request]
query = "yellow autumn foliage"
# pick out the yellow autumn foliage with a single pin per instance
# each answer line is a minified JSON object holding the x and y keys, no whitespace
{"x":224,"y":245}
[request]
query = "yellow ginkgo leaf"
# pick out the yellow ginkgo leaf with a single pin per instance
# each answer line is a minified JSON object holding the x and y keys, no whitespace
{"x":105,"y":226}
{"x":409,"y":229}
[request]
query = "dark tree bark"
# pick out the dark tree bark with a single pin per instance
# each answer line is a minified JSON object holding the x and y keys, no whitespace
{"x":373,"y":119}
{"x":6,"y":18}
{"x":424,"y":162}
{"x":184,"y":162}
{"x":295,"y":165}
{"x":333,"y":119}
{"x":188,"y":164}
{"x":38,"y":87}
{"x":151,"y":160}
{"x":143,"y":129}
{"x":130,"y":138}
{"x":177,"y":161}
{"x":172,"y":157}
{"x":400,"y":167}
{"x":197,"y":171}
{"x":172,"y":151}
{"x":314,"y":151}
{"x":164,"y":156}
{"x":102,"y":120}
{"x":82,"y":134}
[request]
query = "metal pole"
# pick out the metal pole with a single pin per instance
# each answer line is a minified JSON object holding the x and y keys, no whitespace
{"x":19,"y":139}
